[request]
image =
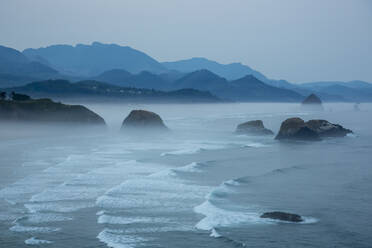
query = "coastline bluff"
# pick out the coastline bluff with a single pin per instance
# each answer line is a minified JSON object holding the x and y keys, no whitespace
{"x":143,"y":120}
{"x":47,"y":111}
{"x":312,"y":130}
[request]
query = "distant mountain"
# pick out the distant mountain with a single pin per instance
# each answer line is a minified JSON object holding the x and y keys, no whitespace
{"x":247,"y":88}
{"x":15,"y":68}
{"x":123,"y":78}
{"x":126,"y":67}
{"x":229,"y":71}
{"x":351,"y":84}
{"x":354,"y":91}
{"x":201,"y":80}
{"x":250,"y":88}
{"x":98,"y":91}
{"x":90,"y":60}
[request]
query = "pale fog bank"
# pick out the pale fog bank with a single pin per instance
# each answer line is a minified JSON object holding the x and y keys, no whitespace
{"x":198,"y":185}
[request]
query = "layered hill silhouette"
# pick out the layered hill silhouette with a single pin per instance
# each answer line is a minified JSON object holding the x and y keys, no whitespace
{"x":229,"y":71}
{"x":91,"y":60}
{"x":91,"y":90}
{"x":247,"y":88}
{"x":143,"y":79}
{"x":126,"y":67}
{"x":16,"y":68}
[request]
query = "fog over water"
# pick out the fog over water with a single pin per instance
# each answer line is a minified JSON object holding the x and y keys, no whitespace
{"x":199,"y":185}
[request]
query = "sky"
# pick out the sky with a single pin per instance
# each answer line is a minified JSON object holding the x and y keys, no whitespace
{"x":296,"y":40}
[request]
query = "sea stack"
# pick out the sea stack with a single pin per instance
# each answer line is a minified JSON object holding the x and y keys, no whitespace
{"x":312,"y":130}
{"x":296,"y":129}
{"x":312,"y":102}
{"x":253,"y":128}
{"x":276,"y":215}
{"x":143,"y":120}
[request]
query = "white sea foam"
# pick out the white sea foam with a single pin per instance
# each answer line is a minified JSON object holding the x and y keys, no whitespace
{"x":115,"y":239}
{"x":46,"y":217}
{"x":231,"y":182}
{"x":217,"y":217}
{"x":183,"y":152}
{"x":61,"y":207}
{"x":35,"y":241}
{"x":223,"y":189}
{"x":33,"y":229}
{"x":351,"y":135}
{"x":169,"y":228}
{"x":215,"y":234}
{"x":119,"y":220}
{"x":193,"y":167}
{"x":100,"y":212}
{"x":255,"y":145}
{"x":189,"y":168}
{"x":64,"y":192}
{"x":164,"y":173}
{"x":309,"y":220}
{"x":306,"y":220}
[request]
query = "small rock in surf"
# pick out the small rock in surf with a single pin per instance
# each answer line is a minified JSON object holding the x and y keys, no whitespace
{"x":254,"y":128}
{"x":276,"y":215}
{"x":142,"y":119}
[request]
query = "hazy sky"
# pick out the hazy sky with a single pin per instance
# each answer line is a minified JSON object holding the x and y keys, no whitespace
{"x":297,"y":40}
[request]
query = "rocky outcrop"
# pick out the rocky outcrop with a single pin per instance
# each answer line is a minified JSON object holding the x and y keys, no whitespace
{"x":45,"y":110}
{"x":298,"y":129}
{"x":142,"y":119}
{"x":326,"y":129}
{"x":253,"y":128}
{"x":312,"y":102}
{"x":276,"y":215}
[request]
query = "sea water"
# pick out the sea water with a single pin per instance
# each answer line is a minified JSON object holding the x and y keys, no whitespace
{"x":200,"y":185}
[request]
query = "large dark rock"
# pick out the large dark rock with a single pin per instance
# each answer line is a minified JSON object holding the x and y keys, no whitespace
{"x":45,"y":110}
{"x":276,"y":215}
{"x":312,"y":102}
{"x":254,"y":128}
{"x":298,"y":129}
{"x":142,"y":119}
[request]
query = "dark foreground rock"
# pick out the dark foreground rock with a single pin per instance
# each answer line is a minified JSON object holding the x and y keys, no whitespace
{"x":45,"y":110}
{"x":298,"y":129}
{"x":254,"y":128}
{"x":313,"y":102}
{"x":282,"y":216}
{"x":142,"y":119}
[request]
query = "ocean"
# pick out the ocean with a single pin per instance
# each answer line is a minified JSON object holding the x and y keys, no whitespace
{"x":200,"y":185}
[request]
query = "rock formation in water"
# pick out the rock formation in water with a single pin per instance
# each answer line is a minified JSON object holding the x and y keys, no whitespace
{"x":313,"y":102}
{"x":298,"y":129}
{"x":253,"y":128}
{"x":276,"y":215}
{"x":142,"y":119}
{"x":45,"y":110}
{"x":326,"y":129}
